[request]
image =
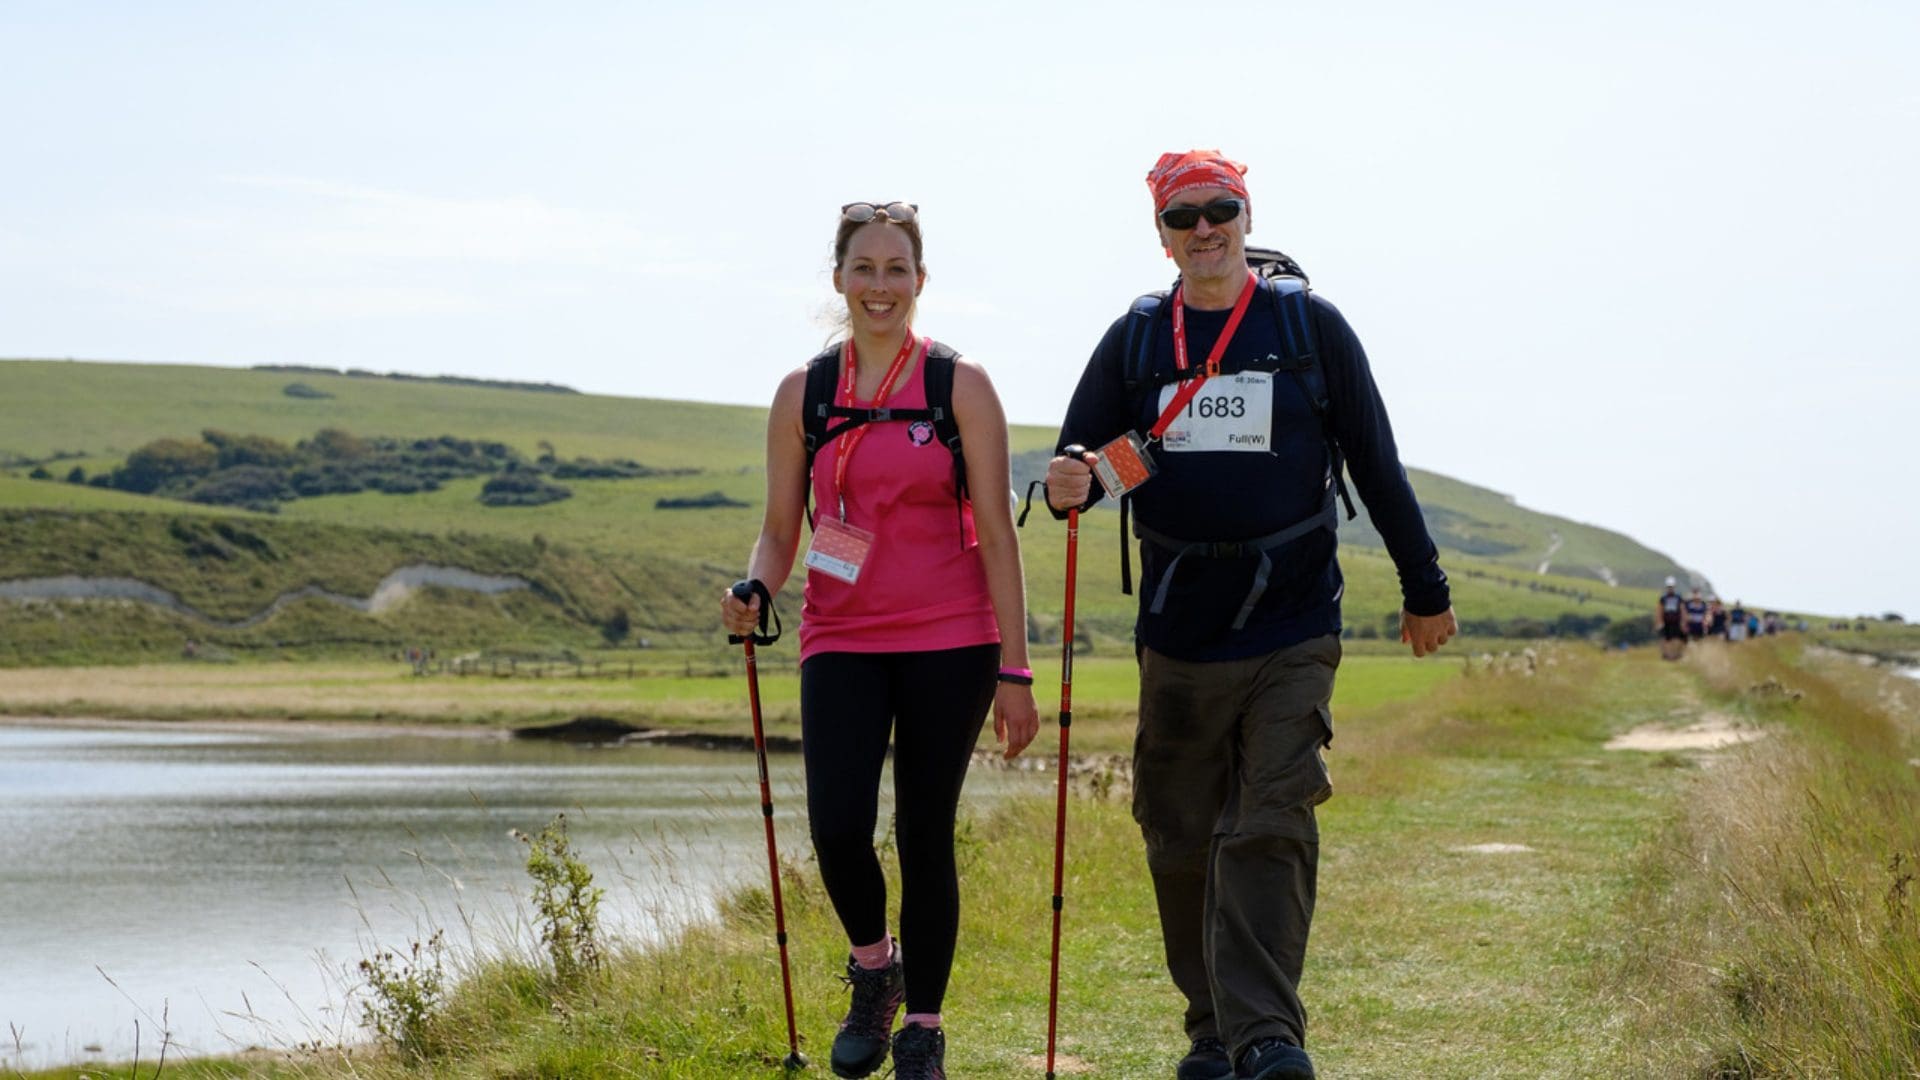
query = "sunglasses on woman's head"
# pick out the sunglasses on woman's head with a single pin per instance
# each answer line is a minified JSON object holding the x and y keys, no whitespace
{"x":1217,"y":212}
{"x":863,"y":212}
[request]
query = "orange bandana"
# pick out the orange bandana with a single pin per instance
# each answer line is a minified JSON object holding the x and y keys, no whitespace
{"x":1175,"y":173}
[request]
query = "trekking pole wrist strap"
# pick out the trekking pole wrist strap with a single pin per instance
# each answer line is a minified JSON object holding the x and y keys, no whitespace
{"x":743,"y":591}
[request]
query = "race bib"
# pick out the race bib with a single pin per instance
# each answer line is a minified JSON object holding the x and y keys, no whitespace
{"x":838,"y":549}
{"x":1231,"y":412}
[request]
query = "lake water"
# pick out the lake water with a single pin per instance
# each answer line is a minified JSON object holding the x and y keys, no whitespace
{"x":226,"y":882}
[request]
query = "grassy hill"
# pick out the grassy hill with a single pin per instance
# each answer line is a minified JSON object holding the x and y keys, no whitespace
{"x":608,"y":548}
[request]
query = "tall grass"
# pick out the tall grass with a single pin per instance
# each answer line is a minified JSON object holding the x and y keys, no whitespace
{"x":1776,"y":930}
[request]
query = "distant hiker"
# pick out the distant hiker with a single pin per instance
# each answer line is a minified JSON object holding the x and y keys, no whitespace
{"x":1245,"y":393}
{"x":1737,"y":622}
{"x":1696,"y":611}
{"x":914,"y":620}
{"x":1716,"y":618}
{"x":1669,"y":620}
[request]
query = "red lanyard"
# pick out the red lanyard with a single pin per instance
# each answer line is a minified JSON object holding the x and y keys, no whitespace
{"x":1192,"y":386}
{"x":851,"y":366}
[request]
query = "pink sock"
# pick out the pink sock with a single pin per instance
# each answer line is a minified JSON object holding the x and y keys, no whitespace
{"x":875,"y":956}
{"x":925,"y":1020}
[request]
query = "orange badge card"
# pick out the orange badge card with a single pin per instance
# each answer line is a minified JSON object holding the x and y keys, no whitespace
{"x":1123,"y":465}
{"x":838,"y":549}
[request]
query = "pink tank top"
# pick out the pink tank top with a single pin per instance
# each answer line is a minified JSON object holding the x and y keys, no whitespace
{"x":923,"y":586}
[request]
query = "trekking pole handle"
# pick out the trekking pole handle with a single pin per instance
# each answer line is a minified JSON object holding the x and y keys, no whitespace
{"x":1079,"y":454}
{"x":744,"y":591}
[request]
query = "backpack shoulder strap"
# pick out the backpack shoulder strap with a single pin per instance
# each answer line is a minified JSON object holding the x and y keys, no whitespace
{"x":1293,"y":311}
{"x":823,"y":373}
{"x":940,"y":361}
{"x":1143,"y":319}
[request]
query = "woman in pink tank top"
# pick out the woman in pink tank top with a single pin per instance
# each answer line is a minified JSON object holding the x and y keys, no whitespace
{"x":913,"y":626}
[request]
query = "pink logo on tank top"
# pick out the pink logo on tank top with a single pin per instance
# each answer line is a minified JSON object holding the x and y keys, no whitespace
{"x":920,"y":432}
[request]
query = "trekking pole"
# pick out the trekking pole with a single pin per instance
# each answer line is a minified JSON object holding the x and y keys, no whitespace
{"x":744,"y":591}
{"x":1066,"y":724}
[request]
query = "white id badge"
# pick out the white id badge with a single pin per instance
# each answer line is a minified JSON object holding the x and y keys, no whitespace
{"x":1231,"y":412}
{"x":838,"y":549}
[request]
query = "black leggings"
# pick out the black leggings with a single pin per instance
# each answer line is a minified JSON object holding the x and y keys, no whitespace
{"x":848,"y":702}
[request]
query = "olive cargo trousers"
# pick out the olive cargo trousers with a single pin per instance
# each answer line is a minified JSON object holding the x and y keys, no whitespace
{"x":1227,"y":770}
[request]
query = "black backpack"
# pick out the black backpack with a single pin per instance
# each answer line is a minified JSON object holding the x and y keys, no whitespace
{"x":1290,"y":291}
{"x":817,"y":408}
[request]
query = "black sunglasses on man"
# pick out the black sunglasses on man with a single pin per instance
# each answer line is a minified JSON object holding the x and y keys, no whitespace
{"x":1217,"y":212}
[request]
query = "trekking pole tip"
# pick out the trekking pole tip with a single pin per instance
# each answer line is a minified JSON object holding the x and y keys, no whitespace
{"x":795,"y":1062}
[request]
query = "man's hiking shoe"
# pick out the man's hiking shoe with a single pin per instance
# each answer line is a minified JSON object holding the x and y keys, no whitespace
{"x":1206,"y":1061}
{"x":861,"y":1045}
{"x":1272,"y":1059}
{"x":919,"y":1053}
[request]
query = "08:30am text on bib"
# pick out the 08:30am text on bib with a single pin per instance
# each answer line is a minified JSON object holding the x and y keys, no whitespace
{"x":1231,"y":412}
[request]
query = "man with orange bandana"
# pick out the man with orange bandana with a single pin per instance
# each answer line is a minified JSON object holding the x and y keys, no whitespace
{"x":1204,"y":415}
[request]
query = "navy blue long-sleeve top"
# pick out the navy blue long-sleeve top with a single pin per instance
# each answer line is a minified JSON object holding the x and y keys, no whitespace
{"x":1229,"y":495}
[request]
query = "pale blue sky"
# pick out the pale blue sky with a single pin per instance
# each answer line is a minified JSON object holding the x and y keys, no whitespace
{"x":1644,"y":265}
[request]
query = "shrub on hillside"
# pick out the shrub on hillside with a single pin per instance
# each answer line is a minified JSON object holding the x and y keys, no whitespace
{"x":39,"y":473}
{"x":76,"y":475}
{"x":239,"y":535}
{"x":402,"y":482}
{"x":234,"y":451}
{"x":302,"y":390}
{"x":589,"y":469}
{"x":1628,"y":630}
{"x":310,"y":481}
{"x":334,"y":444}
{"x":1570,"y":625}
{"x":197,"y":540}
{"x":521,"y":489}
{"x":164,"y":462}
{"x":1523,"y":627}
{"x":252,"y":486}
{"x":697,"y":502}
{"x":335,"y":462}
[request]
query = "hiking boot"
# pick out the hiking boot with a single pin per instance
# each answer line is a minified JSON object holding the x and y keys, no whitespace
{"x":1273,"y":1059}
{"x":861,"y":1045}
{"x":1206,"y":1061}
{"x":919,"y":1053}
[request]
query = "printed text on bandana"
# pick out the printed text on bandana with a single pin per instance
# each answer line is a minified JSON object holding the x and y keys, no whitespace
{"x":1231,"y":412}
